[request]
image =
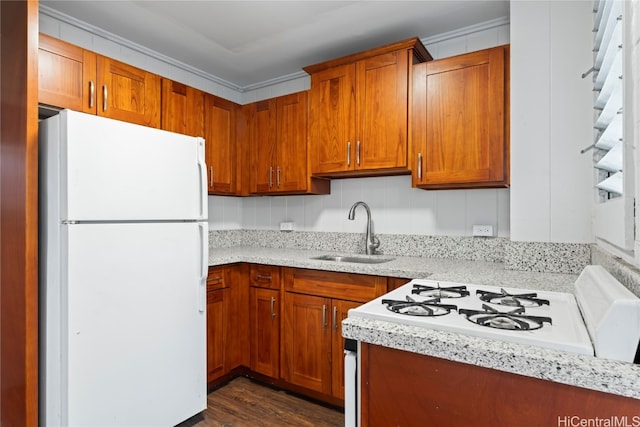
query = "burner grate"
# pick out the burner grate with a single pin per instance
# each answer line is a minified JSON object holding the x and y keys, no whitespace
{"x":440,"y":292}
{"x":514,"y":320}
{"x":431,"y":307}
{"x":512,"y":300}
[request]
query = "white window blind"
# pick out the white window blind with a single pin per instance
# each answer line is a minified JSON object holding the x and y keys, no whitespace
{"x":608,"y":99}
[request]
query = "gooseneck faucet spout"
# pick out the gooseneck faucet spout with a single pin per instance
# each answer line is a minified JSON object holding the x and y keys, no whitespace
{"x":371,"y":242}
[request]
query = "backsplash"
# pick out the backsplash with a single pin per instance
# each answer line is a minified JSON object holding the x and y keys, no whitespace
{"x":525,"y":256}
{"x":625,"y":273}
{"x":396,"y":208}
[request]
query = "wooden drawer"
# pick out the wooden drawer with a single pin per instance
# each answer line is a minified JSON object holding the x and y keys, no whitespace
{"x":265,"y":276}
{"x":347,"y":286}
{"x":216,"y":278}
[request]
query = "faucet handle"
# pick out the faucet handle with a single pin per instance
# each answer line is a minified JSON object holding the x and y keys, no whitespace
{"x":373,"y":244}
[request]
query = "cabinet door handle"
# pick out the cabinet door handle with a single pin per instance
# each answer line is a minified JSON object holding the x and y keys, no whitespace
{"x":349,"y":153}
{"x":270,"y":176}
{"x":324,"y":316}
{"x":210,"y":176}
{"x":335,"y":318}
{"x":273,"y":303}
{"x":92,"y":93}
{"x":278,"y":176}
{"x":419,"y":165}
{"x":104,"y":97}
{"x":358,"y":153}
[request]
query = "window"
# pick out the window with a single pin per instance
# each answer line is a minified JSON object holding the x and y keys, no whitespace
{"x":608,"y":104}
{"x":615,"y":26}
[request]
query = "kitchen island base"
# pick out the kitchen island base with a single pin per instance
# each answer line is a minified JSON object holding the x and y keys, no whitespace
{"x":399,"y":388}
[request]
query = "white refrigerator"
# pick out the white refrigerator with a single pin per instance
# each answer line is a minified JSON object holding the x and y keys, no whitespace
{"x":123,"y":263}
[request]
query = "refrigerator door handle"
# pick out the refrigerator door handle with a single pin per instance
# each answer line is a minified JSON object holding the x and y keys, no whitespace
{"x":202,"y":168}
{"x":204,"y":242}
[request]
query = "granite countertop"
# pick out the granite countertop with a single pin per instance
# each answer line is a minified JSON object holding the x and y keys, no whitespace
{"x":444,"y":269}
{"x":577,"y":370}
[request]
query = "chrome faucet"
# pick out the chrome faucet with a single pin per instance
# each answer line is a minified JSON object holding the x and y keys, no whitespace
{"x":371,"y":242}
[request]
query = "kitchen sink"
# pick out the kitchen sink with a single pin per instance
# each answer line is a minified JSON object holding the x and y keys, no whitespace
{"x":353,"y":258}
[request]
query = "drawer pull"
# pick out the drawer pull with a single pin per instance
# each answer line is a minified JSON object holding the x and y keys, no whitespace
{"x":259,"y":277}
{"x":215,"y":278}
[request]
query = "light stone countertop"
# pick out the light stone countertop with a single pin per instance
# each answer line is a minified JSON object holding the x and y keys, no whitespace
{"x":577,"y":370}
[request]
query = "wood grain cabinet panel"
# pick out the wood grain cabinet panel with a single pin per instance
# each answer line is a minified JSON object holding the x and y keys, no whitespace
{"x":66,"y":75}
{"x":220,"y":139}
{"x":278,"y":151}
{"x":227,"y":320}
{"x":265,"y":313}
{"x":358,"y":111}
{"x":128,"y":93}
{"x":313,"y":309}
{"x":74,"y":78}
{"x":182,"y":108}
{"x":265,"y":331}
{"x":460,"y":135}
{"x":459,"y":394}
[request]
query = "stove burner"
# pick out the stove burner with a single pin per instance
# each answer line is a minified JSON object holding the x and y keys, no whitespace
{"x":514,"y":320}
{"x":512,"y":300}
{"x":438,"y":292}
{"x":411,"y":307}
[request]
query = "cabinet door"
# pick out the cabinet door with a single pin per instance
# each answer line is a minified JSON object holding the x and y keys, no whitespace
{"x":339,"y":312}
{"x":127,"y":93}
{"x":332,"y":109}
{"x":182,"y":108}
{"x":220,"y":138}
{"x":265,"y":331}
{"x":306,"y":355}
{"x":263,"y":147}
{"x":381,"y":105}
{"x":66,"y":75}
{"x":237,"y":343}
{"x":217,"y":302}
{"x":465,"y":137}
{"x":291,"y":140}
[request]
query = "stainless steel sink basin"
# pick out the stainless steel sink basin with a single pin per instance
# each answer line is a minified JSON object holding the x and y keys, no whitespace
{"x":352,"y":258}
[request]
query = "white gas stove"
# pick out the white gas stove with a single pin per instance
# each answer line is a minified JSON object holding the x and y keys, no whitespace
{"x":610,"y":328}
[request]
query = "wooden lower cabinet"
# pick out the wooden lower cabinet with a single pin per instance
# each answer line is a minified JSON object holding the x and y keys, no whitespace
{"x":217,"y":312}
{"x":400,"y":388}
{"x":227,"y":322}
{"x":265,"y":319}
{"x":314,"y":306}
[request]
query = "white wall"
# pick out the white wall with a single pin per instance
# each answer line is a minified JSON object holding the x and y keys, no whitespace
{"x":551,"y":121}
{"x":396,"y":209}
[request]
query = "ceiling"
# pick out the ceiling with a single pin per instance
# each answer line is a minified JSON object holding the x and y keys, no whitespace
{"x":247,"y":43}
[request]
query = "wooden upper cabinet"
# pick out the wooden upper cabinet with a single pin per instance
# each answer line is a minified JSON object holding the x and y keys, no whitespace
{"x":220,"y":139}
{"x":460,"y":134}
{"x":278,"y":155}
{"x":128,"y":93}
{"x":77,"y":79}
{"x":182,"y":109}
{"x":66,"y":75}
{"x":358,"y":111}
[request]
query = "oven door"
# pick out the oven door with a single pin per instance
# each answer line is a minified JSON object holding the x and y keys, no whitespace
{"x":351,"y":403}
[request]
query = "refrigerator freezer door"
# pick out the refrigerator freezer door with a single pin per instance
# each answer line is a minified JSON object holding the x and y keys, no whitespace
{"x":131,"y":338}
{"x":111,"y":170}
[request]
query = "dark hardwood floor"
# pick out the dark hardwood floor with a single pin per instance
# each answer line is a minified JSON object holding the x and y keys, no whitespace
{"x":243,"y":402}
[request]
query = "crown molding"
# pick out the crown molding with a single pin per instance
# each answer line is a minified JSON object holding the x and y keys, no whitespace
{"x":96,"y":31}
{"x":84,"y":26}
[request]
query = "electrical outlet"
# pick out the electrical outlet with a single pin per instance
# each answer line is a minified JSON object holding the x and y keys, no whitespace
{"x":483,"y":230}
{"x":286,"y":226}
